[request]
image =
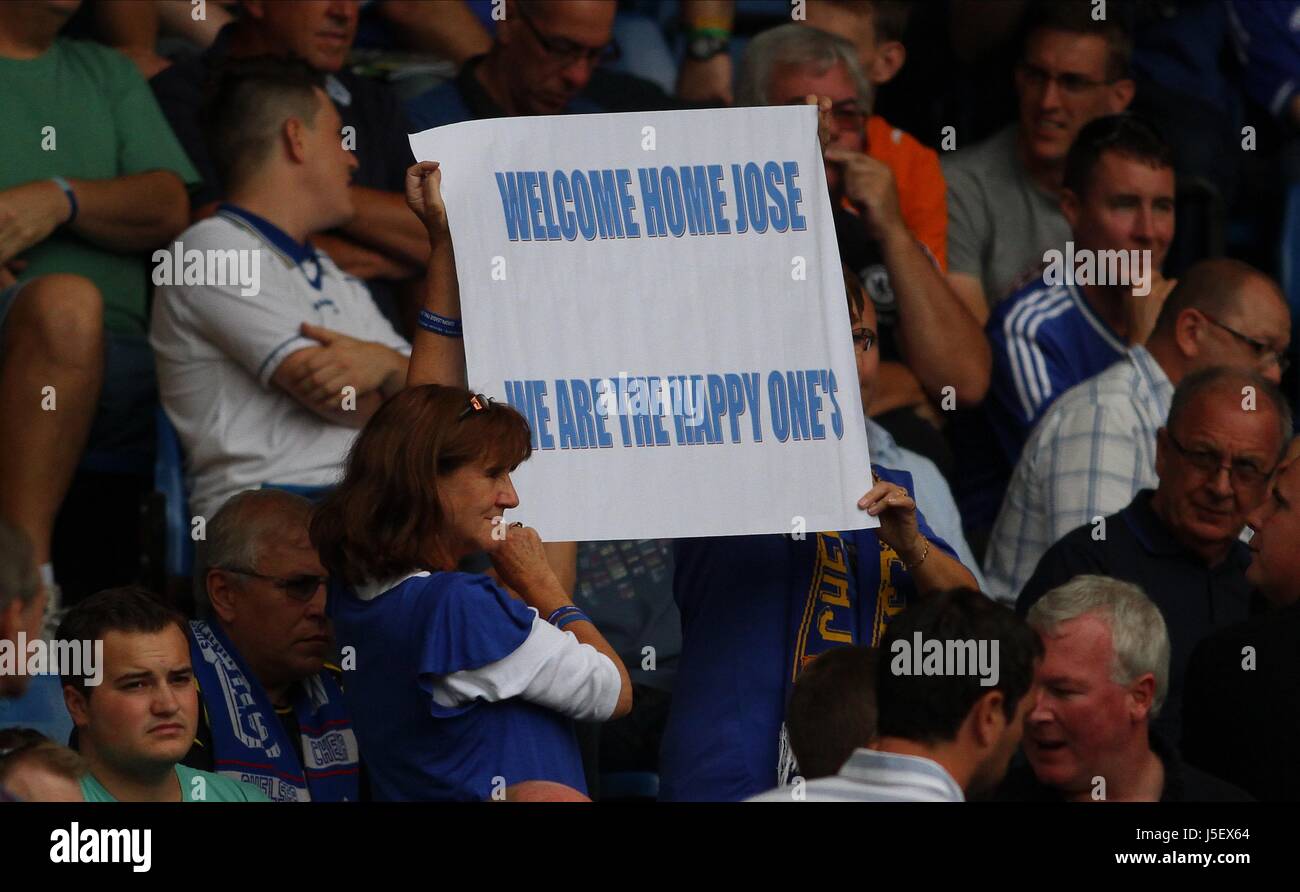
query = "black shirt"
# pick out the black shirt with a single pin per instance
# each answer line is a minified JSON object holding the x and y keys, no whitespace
{"x":1241,"y":713}
{"x":1183,"y":783}
{"x":1194,"y":599}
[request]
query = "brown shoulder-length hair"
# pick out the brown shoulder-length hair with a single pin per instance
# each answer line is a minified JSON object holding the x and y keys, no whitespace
{"x":386,"y":517}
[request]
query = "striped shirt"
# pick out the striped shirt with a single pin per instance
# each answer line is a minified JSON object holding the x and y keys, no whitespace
{"x":1091,"y":454}
{"x":1045,"y":339}
{"x":874,"y":776}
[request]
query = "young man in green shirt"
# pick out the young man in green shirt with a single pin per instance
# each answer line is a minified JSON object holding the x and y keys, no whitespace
{"x":91,"y":181}
{"x":138,"y":722}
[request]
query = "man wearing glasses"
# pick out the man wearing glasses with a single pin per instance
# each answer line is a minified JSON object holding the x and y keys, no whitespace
{"x":929,"y":342}
{"x":1003,"y":193}
{"x":1242,"y":723}
{"x":1095,"y":448}
{"x":541,"y":60}
{"x":273,"y":712}
{"x":1225,"y":435}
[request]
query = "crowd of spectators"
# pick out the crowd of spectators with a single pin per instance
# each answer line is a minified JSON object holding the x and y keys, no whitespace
{"x":1094,"y":476}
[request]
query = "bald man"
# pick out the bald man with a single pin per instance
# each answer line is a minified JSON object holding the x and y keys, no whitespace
{"x":1242,"y":712}
{"x":1225,"y":437}
{"x":273,"y":710}
{"x":1094,"y":450}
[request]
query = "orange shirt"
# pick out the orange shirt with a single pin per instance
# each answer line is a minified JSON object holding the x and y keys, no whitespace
{"x":921,"y":190}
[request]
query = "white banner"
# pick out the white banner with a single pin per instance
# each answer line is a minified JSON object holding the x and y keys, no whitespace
{"x":660,"y":295}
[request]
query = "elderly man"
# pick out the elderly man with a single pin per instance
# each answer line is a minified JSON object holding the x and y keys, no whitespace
{"x":1095,"y":448}
{"x":1003,"y":210}
{"x":928,"y":339}
{"x":267,"y":377}
{"x":877,"y":31}
{"x":1214,"y":456}
{"x":1104,"y":676}
{"x":544,"y":60}
{"x":381,"y":243}
{"x":137,"y":723}
{"x":940,"y":736}
{"x":286,"y":729}
{"x":1242,"y":712}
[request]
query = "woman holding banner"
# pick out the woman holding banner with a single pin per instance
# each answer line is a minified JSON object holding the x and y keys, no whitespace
{"x":460,"y":690}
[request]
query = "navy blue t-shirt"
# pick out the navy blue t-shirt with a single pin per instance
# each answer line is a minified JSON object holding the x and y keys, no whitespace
{"x":736,"y":595}
{"x":434,"y":625}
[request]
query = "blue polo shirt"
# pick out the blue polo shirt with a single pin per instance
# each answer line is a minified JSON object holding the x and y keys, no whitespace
{"x":433,"y":625}
{"x":736,"y":595}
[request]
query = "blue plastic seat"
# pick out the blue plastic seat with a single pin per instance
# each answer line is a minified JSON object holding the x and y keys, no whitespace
{"x":169,"y":480}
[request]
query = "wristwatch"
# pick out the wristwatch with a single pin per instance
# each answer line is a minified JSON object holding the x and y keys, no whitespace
{"x":704,"y":44}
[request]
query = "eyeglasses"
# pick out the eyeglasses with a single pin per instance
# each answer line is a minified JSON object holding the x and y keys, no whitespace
{"x":1209,"y":461}
{"x":1263,"y":352}
{"x":848,"y":113}
{"x":1075,"y":84}
{"x":566,"y":52}
{"x":477,"y":403}
{"x":300,"y":588}
{"x":863,"y":339}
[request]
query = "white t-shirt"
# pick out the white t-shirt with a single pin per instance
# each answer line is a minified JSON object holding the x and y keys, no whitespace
{"x":217,"y":349}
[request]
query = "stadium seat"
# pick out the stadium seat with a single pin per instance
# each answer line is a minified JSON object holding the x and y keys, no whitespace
{"x":170,"y":552}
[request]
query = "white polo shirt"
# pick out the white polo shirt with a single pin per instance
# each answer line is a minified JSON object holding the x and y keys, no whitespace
{"x":217,"y":349}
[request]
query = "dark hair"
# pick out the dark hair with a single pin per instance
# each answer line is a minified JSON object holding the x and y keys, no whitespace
{"x":247,"y":101}
{"x":1213,"y":286}
{"x":1195,"y":386}
{"x":931,"y":708}
{"x":129,"y":608}
{"x":1076,"y":17}
{"x":832,"y":710}
{"x":853,"y":290}
{"x":386,"y":517}
{"x":1126,"y":135}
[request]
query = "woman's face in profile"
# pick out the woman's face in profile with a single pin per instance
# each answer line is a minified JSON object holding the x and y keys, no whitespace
{"x":476,"y":497}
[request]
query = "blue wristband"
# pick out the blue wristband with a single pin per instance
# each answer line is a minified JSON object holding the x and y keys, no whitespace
{"x":441,"y":325}
{"x":72,"y":197}
{"x":575,"y":616}
{"x":561,"y":611}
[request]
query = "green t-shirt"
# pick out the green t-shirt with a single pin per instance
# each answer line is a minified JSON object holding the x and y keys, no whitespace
{"x":213,"y":788}
{"x":83,"y":111}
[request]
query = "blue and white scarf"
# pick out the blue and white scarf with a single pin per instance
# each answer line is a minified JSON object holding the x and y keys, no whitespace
{"x":249,"y":743}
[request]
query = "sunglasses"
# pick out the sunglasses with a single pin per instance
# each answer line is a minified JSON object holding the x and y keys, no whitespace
{"x":477,"y":403}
